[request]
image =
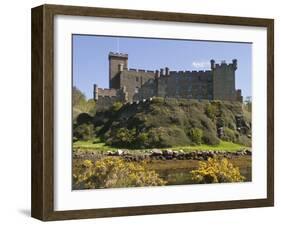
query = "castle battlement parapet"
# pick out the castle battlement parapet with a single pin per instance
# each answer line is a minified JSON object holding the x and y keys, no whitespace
{"x":139,"y":70}
{"x":223,"y":64}
{"x":115,"y":54}
{"x":190,"y":73}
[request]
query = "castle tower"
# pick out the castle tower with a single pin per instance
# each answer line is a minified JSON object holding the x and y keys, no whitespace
{"x":117,"y":62}
{"x":224,"y":80}
{"x":95,"y":93}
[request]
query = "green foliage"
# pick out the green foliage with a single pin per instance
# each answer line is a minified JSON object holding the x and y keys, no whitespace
{"x":83,"y":132}
{"x":158,"y":100}
{"x":122,"y":137}
{"x":244,"y":140}
{"x":211,"y":111}
{"x":230,"y":135}
{"x":220,"y":122}
{"x":196,"y":135}
{"x":87,"y":107}
{"x":77,"y":96}
{"x":81,"y":104}
{"x":91,"y":107}
{"x":142,"y":140}
{"x":167,"y":137}
{"x":84,"y":118}
{"x":112,"y":172}
{"x":210,"y":138}
{"x":216,"y":171}
{"x":155,"y":138}
{"x":167,"y":122}
{"x":116,"y":106}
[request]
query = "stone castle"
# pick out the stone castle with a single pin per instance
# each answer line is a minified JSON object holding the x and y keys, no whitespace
{"x":133,"y":85}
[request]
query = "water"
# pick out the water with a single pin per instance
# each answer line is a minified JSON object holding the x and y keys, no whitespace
{"x":177,"y":172}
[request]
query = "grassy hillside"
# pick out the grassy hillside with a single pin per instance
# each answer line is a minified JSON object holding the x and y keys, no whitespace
{"x":167,"y":123}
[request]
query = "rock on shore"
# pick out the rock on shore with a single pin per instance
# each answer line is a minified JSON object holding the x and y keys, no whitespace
{"x":166,"y":154}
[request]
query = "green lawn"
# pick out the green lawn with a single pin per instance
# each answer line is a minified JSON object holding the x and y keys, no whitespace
{"x":223,"y":146}
{"x":93,"y":145}
{"x":99,"y":146}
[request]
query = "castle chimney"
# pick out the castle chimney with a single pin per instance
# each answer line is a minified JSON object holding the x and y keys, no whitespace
{"x":234,"y":63}
{"x":120,"y":67}
{"x":161,"y":72}
{"x":157,"y":74}
{"x":213,"y":64}
{"x":96,"y":94}
{"x":167,"y":71}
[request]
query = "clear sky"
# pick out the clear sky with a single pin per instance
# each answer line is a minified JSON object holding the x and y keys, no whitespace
{"x":90,"y":58}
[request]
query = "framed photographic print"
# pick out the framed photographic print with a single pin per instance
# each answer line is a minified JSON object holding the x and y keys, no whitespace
{"x":141,"y":112}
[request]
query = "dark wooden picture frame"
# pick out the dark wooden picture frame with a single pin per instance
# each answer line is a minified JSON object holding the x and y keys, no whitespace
{"x":43,"y":112}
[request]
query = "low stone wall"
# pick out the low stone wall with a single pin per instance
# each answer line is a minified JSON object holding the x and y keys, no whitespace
{"x":196,"y":155}
{"x":167,"y":154}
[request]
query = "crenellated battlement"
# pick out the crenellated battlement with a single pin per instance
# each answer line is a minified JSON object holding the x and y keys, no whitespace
{"x":116,"y":54}
{"x":170,"y":73}
{"x":107,"y":92}
{"x":190,"y":73}
{"x":223,"y":64}
{"x":139,"y":70}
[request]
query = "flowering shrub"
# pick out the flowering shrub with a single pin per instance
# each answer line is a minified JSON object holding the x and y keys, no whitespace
{"x":216,"y":171}
{"x":111,"y":172}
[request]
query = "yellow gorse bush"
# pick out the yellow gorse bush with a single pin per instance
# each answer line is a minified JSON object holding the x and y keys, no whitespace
{"x":111,"y":172}
{"x":216,"y":171}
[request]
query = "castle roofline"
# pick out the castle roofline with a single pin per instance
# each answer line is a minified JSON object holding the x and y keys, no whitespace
{"x":116,"y":54}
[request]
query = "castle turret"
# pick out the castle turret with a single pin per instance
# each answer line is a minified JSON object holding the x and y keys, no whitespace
{"x":234,"y":63}
{"x":117,"y":62}
{"x":157,"y":74}
{"x":161,"y":72}
{"x":95,"y":92}
{"x":224,"y":80}
{"x":213,"y":64}
{"x":167,"y":71}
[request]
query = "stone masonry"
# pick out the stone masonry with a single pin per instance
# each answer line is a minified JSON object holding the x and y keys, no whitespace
{"x":131,"y":85}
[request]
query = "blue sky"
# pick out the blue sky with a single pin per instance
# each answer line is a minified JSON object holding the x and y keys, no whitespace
{"x":90,"y":58}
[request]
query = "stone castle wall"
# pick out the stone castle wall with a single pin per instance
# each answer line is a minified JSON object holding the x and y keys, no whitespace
{"x":186,"y":84}
{"x":136,"y":83}
{"x":107,"y":92}
{"x":129,"y":85}
{"x":224,"y":81}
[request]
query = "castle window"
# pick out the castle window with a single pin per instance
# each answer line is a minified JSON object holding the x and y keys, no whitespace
{"x":137,"y":79}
